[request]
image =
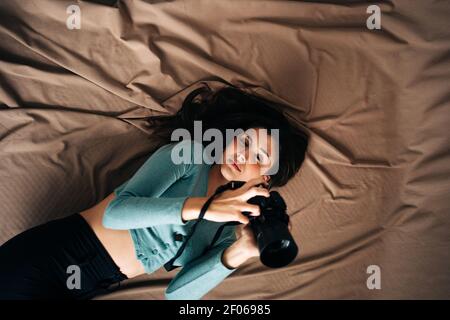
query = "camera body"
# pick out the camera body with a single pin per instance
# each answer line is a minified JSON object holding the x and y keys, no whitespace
{"x":276,"y":245}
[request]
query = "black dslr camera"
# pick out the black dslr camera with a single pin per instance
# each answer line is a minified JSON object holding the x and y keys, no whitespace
{"x":276,"y":246}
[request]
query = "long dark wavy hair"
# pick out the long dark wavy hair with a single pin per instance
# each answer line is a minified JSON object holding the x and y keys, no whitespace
{"x":232,"y":108}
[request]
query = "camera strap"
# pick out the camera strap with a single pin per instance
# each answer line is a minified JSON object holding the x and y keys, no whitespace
{"x":219,"y":232}
{"x":169,"y":265}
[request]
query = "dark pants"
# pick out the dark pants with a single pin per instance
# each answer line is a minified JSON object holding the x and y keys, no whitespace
{"x":46,"y":262}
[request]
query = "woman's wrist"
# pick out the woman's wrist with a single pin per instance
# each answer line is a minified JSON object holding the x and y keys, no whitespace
{"x":236,"y":254}
{"x":191,"y":208}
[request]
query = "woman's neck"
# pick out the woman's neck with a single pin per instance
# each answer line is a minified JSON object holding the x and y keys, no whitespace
{"x":215,"y":179}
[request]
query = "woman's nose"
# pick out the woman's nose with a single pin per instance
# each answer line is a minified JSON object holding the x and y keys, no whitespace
{"x":240,"y":158}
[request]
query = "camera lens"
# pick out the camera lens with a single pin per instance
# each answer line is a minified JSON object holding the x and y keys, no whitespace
{"x":279,"y":253}
{"x":284,"y":244}
{"x":276,"y":247}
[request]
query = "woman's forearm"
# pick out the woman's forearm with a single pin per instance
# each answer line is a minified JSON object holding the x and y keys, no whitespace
{"x":235,"y":255}
{"x":192,"y":207}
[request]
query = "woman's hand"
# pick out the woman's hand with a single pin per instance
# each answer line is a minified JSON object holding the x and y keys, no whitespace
{"x":247,"y":241}
{"x":245,"y":247}
{"x":229,"y":205}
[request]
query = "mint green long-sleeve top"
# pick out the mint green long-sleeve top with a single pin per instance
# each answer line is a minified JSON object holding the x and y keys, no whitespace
{"x":149,"y":206}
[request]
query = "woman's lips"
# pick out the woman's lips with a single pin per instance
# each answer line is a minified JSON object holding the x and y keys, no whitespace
{"x":235,"y":166}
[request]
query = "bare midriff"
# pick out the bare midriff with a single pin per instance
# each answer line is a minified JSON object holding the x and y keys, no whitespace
{"x":118,"y":243}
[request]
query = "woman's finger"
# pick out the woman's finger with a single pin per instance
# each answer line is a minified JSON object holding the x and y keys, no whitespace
{"x":252,"y":182}
{"x":255,"y":191}
{"x":240,"y":217}
{"x":252,"y":208}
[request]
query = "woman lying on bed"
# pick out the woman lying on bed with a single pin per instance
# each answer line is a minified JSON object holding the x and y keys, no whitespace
{"x":142,"y":225}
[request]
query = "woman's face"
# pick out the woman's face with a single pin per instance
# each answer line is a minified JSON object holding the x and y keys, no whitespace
{"x":249,"y":156}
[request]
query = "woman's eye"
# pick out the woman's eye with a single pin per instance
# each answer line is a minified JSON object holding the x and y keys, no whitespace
{"x":263,"y":159}
{"x":244,"y":141}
